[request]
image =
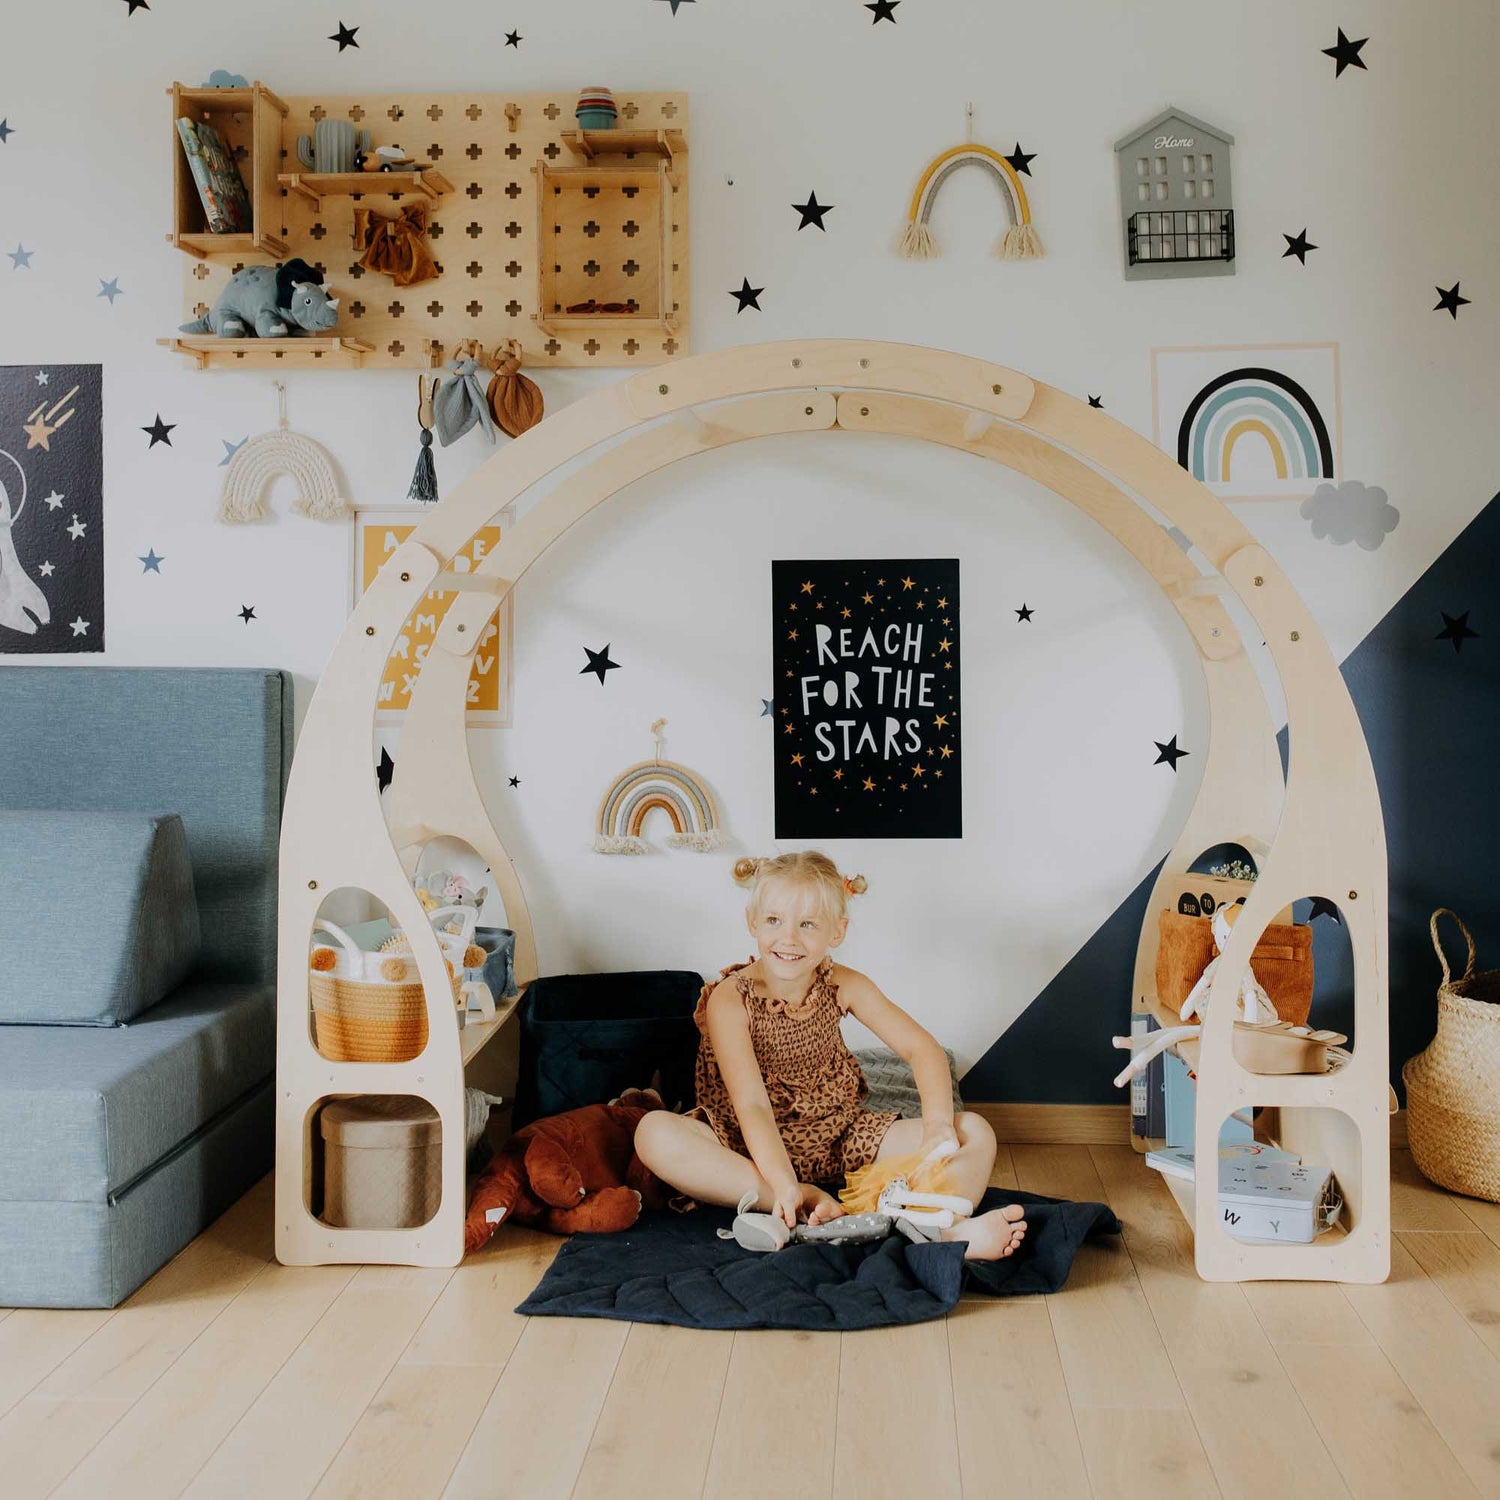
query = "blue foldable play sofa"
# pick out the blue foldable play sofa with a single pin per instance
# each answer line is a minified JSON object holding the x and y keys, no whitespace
{"x":140,"y":813}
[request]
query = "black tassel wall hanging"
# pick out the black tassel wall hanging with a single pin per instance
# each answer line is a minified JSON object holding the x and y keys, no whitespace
{"x":424,"y":480}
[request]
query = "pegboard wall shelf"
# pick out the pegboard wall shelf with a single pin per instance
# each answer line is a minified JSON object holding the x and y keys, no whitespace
{"x":486,"y":230}
{"x":319,"y":185}
{"x":269,"y":354}
{"x":589,"y":144}
{"x":249,"y":122}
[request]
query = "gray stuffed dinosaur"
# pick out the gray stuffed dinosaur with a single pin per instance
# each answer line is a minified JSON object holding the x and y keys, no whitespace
{"x":270,"y":302}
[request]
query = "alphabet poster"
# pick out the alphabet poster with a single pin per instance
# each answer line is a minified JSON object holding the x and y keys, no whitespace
{"x":867,"y":699}
{"x":51,"y":508}
{"x":378,"y":533}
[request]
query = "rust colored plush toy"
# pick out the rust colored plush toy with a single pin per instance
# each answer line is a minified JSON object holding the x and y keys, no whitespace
{"x":569,"y":1173}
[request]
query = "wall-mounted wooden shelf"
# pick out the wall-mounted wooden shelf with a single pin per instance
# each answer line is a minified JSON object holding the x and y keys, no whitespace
{"x":293,"y":353}
{"x":609,"y":229}
{"x":248,"y":121}
{"x":319,"y":185}
{"x":589,"y":144}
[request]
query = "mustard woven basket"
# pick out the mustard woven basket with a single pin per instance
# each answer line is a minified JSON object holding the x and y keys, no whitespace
{"x":1453,"y":1087}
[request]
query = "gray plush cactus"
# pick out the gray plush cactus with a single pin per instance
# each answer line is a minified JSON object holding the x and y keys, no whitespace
{"x":331,"y":146}
{"x":270,"y":302}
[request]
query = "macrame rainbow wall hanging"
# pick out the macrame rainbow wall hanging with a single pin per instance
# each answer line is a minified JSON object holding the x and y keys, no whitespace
{"x":1021,"y":241}
{"x":652,"y":784}
{"x":258,"y":464}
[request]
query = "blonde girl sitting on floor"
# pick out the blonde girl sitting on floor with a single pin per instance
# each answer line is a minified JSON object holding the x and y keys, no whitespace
{"x":780,"y":1095}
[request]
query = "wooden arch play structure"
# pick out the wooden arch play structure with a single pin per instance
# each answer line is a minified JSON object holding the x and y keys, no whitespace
{"x":1316,"y":831}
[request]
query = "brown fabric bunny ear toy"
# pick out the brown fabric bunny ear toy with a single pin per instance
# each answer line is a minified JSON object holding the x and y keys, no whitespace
{"x":515,"y":399}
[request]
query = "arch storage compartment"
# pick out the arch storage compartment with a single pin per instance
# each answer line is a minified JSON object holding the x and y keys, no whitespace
{"x":1319,"y":830}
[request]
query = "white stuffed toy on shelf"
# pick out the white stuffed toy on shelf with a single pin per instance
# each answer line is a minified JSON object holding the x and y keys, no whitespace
{"x":1253,"y":1004}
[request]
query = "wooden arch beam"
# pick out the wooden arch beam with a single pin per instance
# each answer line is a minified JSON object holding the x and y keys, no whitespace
{"x":1330,"y":832}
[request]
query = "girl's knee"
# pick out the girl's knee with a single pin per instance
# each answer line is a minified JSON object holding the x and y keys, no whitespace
{"x":974,"y":1130}
{"x":654,"y":1134}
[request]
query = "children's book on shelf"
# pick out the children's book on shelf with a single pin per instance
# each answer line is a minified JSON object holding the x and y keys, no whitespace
{"x":226,"y":204}
{"x":1177,"y":1161}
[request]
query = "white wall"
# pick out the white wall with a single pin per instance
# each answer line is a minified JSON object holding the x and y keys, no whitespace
{"x":1064,"y":812}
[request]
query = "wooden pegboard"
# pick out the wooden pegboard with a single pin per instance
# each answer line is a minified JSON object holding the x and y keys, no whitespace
{"x":484,"y":234}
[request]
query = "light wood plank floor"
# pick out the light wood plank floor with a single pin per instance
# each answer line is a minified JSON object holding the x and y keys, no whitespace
{"x":230,"y":1375}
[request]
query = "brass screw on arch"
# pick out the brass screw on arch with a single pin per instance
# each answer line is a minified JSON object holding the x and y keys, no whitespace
{"x":864,"y":411}
{"x":406,"y":578}
{"x":864,"y":364}
{"x":1296,"y":635}
{"x":796,"y":364}
{"x":1259,"y":581}
{"x":807,"y":410}
{"x":369,"y":630}
{"x":1354,"y":895}
{"x":312,"y":885}
{"x":997,"y":389}
{"x":462,"y":628}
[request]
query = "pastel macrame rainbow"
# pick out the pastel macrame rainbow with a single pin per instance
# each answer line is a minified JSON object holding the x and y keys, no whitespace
{"x":1021,"y":241}
{"x":657,"y":784}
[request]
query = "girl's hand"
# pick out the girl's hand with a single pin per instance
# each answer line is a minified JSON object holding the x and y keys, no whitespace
{"x":935,"y":1133}
{"x":788,"y":1201}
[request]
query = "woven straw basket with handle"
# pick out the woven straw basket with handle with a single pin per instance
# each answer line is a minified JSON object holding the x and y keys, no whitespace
{"x":1453,"y":1088}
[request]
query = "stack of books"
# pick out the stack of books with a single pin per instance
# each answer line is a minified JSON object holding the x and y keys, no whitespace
{"x":226,"y":204}
{"x":1265,"y":1193}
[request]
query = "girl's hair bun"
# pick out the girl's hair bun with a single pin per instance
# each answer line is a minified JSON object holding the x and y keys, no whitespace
{"x":856,"y":885}
{"x":745,"y":870}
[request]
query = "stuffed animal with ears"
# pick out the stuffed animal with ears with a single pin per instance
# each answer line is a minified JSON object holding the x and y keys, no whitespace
{"x":569,"y":1173}
{"x":270,"y":302}
{"x":441,"y":888}
{"x":1252,"y":1004}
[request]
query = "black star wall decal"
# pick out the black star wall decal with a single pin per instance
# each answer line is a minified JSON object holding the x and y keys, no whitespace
{"x":1323,"y":907}
{"x":1097,"y":402}
{"x":135,"y":5}
{"x":385,"y":770}
{"x":6,"y":131}
{"x":515,"y":781}
{"x":1449,"y":301}
{"x":675,"y":3}
{"x":1021,"y":160}
{"x":1169,"y":753}
{"x":344,"y":36}
{"x":159,"y":430}
{"x":513,"y":39}
{"x":1297,"y":244}
{"x":599,"y":662}
{"x":746,"y":296}
{"x":1456,"y":629}
{"x":812,"y":212}
{"x":885,"y":10}
{"x":246,"y":613}
{"x":1346,"y":54}
{"x":1024,"y":613}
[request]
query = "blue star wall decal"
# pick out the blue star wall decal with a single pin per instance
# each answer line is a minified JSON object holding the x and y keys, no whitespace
{"x":151,"y":563}
{"x":20,"y":257}
{"x":230,"y":449}
{"x":110,"y":289}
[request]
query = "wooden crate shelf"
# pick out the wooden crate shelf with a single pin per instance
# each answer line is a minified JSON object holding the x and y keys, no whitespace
{"x":249,"y":122}
{"x":293,"y":353}
{"x":479,"y":152}
{"x":319,"y":185}
{"x":589,"y":144}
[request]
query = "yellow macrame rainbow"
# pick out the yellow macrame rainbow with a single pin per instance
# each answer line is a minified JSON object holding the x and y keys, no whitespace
{"x":1021,"y":241}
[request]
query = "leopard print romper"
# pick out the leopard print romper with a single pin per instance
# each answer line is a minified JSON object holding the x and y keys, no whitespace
{"x":813,"y":1080}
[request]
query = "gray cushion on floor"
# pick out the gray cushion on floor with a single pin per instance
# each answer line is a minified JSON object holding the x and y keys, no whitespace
{"x":110,"y":957}
{"x":97,"y":1254}
{"x":892,"y":1086}
{"x":84,"y":1110}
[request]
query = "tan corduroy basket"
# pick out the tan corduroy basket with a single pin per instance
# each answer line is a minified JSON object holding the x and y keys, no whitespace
{"x":1453,"y":1088}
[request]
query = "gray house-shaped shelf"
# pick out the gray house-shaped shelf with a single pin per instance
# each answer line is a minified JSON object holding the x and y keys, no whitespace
{"x":1176,"y":198}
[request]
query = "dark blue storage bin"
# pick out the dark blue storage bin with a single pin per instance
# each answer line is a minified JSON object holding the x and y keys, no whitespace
{"x":586,"y":1038}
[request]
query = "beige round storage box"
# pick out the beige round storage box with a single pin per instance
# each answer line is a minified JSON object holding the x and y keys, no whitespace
{"x":382,"y":1162}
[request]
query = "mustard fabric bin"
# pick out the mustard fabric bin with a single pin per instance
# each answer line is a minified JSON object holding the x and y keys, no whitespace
{"x":382,"y":1162}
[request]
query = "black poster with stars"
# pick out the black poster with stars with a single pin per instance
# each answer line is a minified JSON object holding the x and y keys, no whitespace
{"x":51,"y":508}
{"x":867,"y":689}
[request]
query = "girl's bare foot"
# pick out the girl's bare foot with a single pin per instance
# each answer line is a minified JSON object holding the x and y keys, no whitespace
{"x":991,"y":1236}
{"x":819,"y":1207}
